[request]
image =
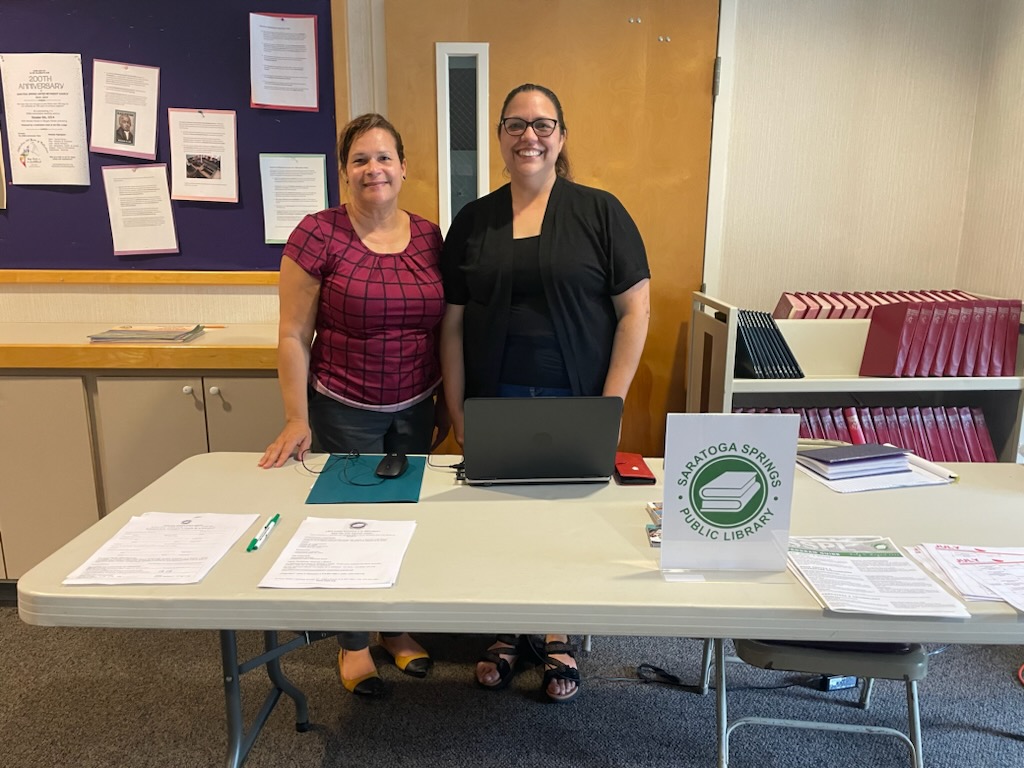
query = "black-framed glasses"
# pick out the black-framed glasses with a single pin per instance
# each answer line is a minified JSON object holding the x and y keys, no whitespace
{"x":542,"y":126}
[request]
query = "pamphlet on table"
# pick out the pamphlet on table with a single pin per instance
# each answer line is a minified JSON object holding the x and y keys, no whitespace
{"x":868,"y":574}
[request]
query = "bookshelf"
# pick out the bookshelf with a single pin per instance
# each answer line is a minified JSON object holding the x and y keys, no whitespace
{"x":829,"y":352}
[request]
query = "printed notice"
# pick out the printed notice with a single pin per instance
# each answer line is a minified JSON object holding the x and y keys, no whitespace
{"x":124,"y":99}
{"x":293,"y":186}
{"x":140,"y":209}
{"x":45,"y":108}
{"x":282,"y":61}
{"x":204,"y":155}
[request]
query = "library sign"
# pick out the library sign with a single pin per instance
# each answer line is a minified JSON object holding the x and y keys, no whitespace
{"x":728,"y":489}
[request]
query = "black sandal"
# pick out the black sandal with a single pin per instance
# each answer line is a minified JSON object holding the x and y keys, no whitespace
{"x":506,"y":670}
{"x":557,"y":670}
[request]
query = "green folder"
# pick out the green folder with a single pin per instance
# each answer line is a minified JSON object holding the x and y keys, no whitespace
{"x":350,"y":479}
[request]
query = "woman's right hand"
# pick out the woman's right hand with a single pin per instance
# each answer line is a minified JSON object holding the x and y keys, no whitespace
{"x":294,"y":440}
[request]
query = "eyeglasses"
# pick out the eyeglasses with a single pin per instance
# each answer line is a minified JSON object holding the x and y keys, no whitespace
{"x":542,"y":126}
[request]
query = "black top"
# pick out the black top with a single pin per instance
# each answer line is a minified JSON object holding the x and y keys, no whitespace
{"x":590,"y":250}
{"x":532,"y":355}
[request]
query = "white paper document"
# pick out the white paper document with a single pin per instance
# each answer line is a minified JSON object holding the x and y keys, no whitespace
{"x":163,"y":548}
{"x":922,"y":472}
{"x":139,"y":207}
{"x":44,"y":104}
{"x":328,"y":553}
{"x":282,"y":61}
{"x":204,"y":155}
{"x":982,"y":573}
{"x":124,"y":100}
{"x":868,"y":574}
{"x":293,"y":186}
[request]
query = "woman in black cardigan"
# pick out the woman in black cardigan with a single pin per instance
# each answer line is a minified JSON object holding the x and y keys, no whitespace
{"x":548,"y":293}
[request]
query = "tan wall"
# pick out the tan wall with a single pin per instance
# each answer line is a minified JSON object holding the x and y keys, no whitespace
{"x":992,"y":250}
{"x":638,"y":112}
{"x":850,"y":149}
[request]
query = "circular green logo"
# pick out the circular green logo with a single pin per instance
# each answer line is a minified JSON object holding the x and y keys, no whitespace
{"x":728,"y":492}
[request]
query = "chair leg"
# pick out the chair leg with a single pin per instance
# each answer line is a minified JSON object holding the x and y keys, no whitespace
{"x":705,"y":675}
{"x":722,"y":714}
{"x":914,"y":715}
{"x":865,"y":692}
{"x":586,"y":643}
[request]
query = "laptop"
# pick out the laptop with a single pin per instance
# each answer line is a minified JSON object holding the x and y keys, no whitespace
{"x":540,"y":439}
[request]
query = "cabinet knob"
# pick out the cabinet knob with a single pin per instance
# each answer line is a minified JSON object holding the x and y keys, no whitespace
{"x":186,"y":390}
{"x":214,"y":390}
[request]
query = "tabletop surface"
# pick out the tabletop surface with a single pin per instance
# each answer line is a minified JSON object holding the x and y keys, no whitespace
{"x":557,"y":558}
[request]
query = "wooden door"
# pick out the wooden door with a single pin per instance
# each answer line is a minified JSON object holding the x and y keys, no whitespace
{"x":635,"y":82}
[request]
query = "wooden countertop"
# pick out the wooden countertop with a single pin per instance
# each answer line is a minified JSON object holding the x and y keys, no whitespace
{"x":66,"y":345}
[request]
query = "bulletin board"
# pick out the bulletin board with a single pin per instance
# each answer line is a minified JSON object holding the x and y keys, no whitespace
{"x":202,"y":50}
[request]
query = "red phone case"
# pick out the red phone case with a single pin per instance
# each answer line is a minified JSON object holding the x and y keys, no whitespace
{"x":631,"y":469}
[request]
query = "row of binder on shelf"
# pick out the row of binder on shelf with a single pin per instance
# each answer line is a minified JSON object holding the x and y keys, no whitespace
{"x":934,"y":433}
{"x":761,"y":349}
{"x":948,"y":334}
{"x":844,"y":305}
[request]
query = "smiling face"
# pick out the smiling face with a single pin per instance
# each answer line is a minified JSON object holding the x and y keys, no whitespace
{"x":531,"y":158}
{"x":373,"y":170}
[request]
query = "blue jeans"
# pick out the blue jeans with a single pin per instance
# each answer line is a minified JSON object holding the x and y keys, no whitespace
{"x":521,"y":390}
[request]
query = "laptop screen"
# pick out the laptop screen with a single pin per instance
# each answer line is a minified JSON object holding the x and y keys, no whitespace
{"x":541,"y":439}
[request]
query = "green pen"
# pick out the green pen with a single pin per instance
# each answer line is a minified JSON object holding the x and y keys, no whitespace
{"x":257,"y":542}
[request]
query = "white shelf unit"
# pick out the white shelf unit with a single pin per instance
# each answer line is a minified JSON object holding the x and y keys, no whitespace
{"x":829,"y":353}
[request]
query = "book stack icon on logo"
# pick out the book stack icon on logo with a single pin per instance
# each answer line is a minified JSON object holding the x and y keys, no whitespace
{"x":729,"y":492}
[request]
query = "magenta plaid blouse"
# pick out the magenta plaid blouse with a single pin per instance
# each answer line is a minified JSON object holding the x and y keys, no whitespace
{"x":377,"y":321}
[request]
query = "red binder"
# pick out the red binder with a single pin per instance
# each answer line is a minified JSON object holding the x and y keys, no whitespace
{"x":892,"y":423}
{"x":791,"y":306}
{"x":881,"y":428}
{"x":956,"y":433}
{"x":959,"y":343}
{"x":888,"y":342}
{"x":814,"y":421}
{"x":984,"y":437}
{"x":921,"y":331}
{"x":931,"y":340}
{"x":1012,"y":339}
{"x":945,"y":436}
{"x":933,"y":444}
{"x":827,"y":424}
{"x":854,"y":429}
{"x":867,"y":426}
{"x":969,"y":361}
{"x":971,"y":435}
{"x":988,"y":332}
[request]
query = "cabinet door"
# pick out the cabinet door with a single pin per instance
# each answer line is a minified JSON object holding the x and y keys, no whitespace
{"x":144,"y":427}
{"x":46,"y":465}
{"x":242,"y":414}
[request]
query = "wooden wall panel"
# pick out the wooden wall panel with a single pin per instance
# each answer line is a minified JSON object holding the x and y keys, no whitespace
{"x":638,"y":110}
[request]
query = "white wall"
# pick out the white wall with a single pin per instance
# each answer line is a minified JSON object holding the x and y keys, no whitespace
{"x":849,"y":152}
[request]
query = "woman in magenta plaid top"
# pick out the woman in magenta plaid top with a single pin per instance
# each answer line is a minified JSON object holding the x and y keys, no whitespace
{"x":364,"y":277}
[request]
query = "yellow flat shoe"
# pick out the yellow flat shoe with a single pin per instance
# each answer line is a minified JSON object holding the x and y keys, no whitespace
{"x":366,"y":685}
{"x":413,"y":664}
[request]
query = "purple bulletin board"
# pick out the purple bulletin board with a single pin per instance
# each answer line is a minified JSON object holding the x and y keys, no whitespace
{"x":202,"y":50}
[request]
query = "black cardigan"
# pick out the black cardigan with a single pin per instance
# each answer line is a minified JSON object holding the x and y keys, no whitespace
{"x":590,"y":250}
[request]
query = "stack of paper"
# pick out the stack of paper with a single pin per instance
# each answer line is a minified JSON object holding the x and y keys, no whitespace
{"x":977,"y":573}
{"x":136,"y":334}
{"x":898,"y":469}
{"x":854,"y":460}
{"x":868,"y":574}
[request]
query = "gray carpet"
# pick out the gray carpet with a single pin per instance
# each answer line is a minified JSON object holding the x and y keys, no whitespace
{"x":92,"y":697}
